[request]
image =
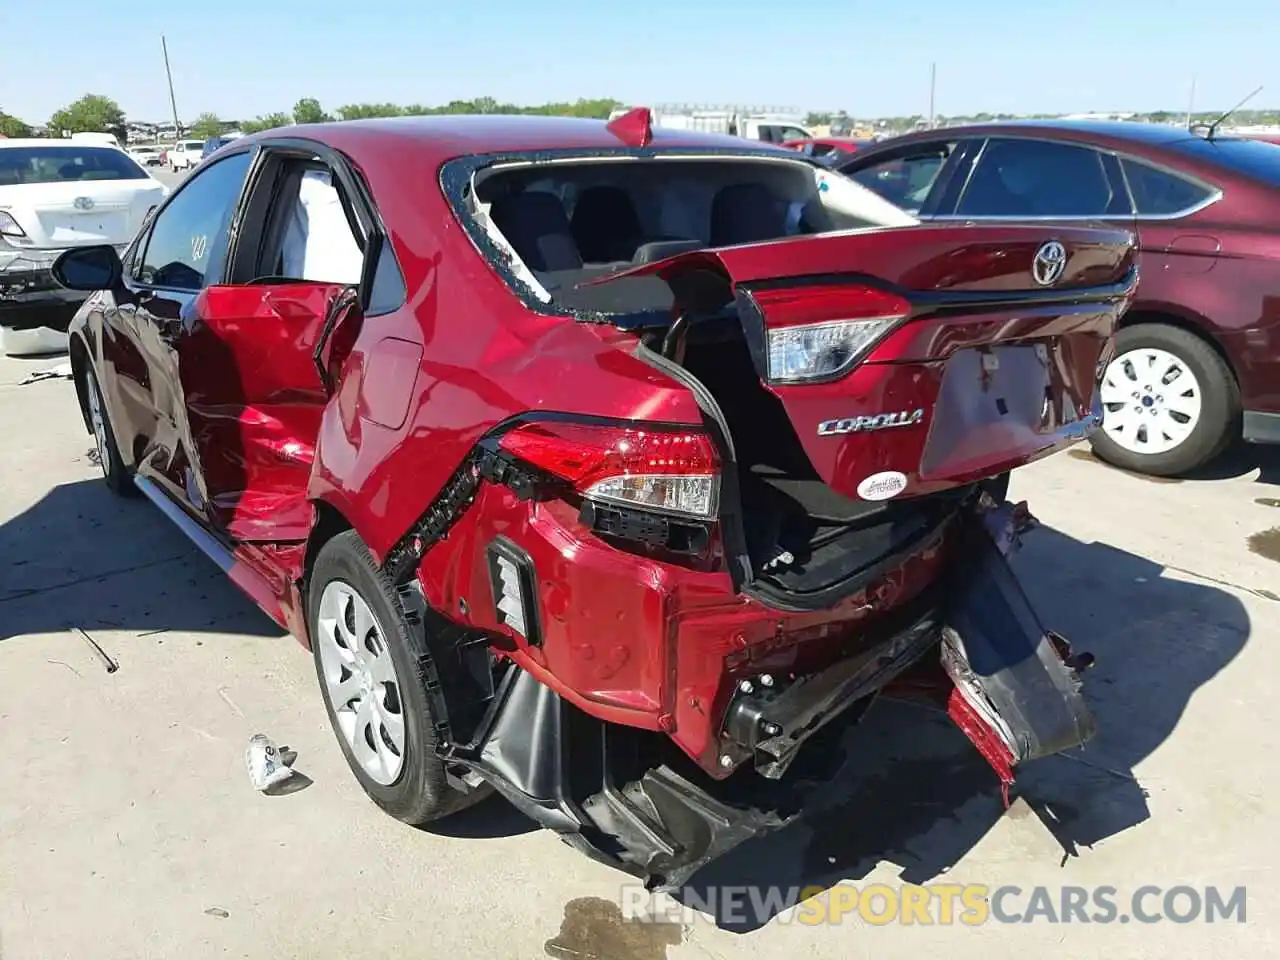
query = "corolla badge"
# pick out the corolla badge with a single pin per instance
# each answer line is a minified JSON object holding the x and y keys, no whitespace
{"x":1049,"y":262}
{"x":879,"y":421}
{"x":83,"y":203}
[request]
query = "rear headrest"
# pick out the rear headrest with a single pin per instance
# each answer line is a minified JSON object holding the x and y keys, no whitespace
{"x":656,"y":250}
{"x":536,"y":226}
{"x":746,"y":213}
{"x":605,"y":225}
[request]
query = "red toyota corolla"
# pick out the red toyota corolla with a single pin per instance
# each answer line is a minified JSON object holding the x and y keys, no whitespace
{"x":615,"y":469}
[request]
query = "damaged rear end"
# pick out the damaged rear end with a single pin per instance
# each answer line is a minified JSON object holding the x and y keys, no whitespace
{"x":687,"y":617}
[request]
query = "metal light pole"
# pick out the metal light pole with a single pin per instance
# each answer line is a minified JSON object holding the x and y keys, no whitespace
{"x":1191,"y":102}
{"x":173,"y":103}
{"x":933,"y":83}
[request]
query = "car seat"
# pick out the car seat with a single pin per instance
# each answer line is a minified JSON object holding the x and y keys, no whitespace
{"x":535,"y":225}
{"x":746,"y":213}
{"x":605,"y":225}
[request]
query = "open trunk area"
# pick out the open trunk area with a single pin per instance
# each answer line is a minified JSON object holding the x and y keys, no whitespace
{"x":803,"y":537}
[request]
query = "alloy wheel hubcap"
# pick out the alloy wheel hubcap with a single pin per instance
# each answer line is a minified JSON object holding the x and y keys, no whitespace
{"x":360,"y":681}
{"x":1151,"y":401}
{"x":99,"y":425}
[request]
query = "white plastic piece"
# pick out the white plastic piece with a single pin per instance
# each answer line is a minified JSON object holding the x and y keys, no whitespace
{"x":266,"y":765}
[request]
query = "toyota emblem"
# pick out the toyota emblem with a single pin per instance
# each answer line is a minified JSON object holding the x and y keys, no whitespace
{"x":1049,"y":263}
{"x":84,"y":203}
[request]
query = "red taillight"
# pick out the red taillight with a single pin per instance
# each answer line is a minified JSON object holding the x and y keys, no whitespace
{"x":820,"y":331}
{"x":672,"y":471}
{"x":822,"y":303}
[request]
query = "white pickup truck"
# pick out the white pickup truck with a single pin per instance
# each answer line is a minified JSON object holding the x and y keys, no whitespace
{"x":184,"y":154}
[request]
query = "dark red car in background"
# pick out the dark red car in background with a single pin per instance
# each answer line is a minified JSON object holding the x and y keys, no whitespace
{"x":617,"y":469}
{"x":1198,"y":354}
{"x":831,"y":150}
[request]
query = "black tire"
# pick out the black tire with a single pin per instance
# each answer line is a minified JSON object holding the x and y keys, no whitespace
{"x":117,"y":477}
{"x":421,"y":793}
{"x":1219,"y":422}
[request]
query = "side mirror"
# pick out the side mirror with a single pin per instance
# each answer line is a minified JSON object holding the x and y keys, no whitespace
{"x":89,"y":268}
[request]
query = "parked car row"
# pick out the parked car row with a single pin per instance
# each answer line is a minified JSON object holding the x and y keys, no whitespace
{"x":1197,"y":360}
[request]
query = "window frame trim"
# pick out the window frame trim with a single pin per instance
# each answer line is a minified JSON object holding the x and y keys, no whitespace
{"x":1214,"y":192}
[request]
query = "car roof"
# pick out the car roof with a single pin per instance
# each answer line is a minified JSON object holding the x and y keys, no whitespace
{"x":50,"y":142}
{"x":445,"y":137}
{"x":1109,"y":132}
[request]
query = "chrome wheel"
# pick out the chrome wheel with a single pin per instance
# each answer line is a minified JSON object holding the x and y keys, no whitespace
{"x":97,"y":419}
{"x":1151,"y":401}
{"x":360,"y":681}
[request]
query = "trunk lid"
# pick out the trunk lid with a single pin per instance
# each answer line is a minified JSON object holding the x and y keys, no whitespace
{"x":76,"y":213}
{"x":952,"y":352}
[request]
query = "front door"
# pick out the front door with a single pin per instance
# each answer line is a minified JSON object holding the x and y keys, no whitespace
{"x":183,"y":251}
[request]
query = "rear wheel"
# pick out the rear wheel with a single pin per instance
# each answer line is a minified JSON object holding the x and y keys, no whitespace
{"x":114,"y":472}
{"x":1170,"y":402}
{"x":368,"y":660}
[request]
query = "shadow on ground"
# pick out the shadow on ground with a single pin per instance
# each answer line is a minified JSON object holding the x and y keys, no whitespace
{"x":82,"y":557}
{"x":1241,"y":459}
{"x":915,"y":793}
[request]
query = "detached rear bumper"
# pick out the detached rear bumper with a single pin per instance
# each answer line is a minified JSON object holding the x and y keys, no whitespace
{"x":628,"y":798}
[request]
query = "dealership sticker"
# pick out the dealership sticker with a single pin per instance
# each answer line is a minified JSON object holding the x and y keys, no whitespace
{"x":882,"y":486}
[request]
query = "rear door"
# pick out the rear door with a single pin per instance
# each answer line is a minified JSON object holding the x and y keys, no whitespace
{"x":182,"y":250}
{"x":1029,"y":179}
{"x":259,"y":353}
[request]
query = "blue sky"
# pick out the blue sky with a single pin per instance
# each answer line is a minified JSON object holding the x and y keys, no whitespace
{"x":245,"y":57}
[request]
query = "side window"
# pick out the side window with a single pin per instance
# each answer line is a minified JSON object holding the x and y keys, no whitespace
{"x":906,"y":180}
{"x":301,"y":227}
{"x":188,"y":242}
{"x":319,"y":242}
{"x":1032,"y":178}
{"x":1156,"y":193}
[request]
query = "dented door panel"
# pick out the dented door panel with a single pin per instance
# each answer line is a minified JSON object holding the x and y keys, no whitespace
{"x":253,"y":398}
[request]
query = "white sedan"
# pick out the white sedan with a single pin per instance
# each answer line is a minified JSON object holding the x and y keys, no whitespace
{"x":56,"y":194}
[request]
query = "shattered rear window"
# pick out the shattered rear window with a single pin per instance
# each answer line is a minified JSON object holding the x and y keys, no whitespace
{"x":550,"y":224}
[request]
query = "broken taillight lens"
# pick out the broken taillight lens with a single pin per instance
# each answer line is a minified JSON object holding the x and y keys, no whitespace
{"x":818,"y":332}
{"x":671,"y":471}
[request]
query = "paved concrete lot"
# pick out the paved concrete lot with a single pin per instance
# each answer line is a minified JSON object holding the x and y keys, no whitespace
{"x":128,"y":828}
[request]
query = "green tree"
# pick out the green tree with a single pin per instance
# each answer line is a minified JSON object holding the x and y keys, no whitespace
{"x":266,"y":122}
{"x":364,"y":111}
{"x":308,"y":110}
{"x":11,"y":126}
{"x":207,"y":125}
{"x":92,"y":113}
